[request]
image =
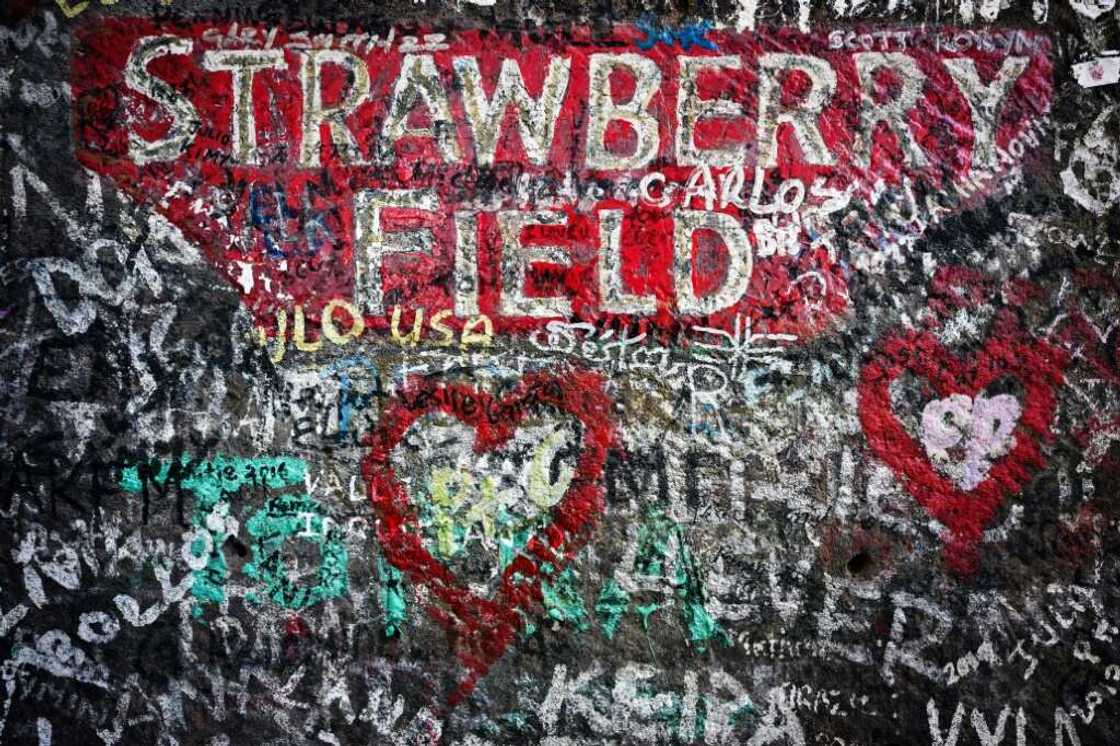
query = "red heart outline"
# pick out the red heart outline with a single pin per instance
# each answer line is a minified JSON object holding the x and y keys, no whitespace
{"x":482,"y":628}
{"x":1008,"y":351}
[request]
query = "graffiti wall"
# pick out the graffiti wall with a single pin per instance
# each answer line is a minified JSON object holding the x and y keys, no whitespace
{"x":505,"y":372}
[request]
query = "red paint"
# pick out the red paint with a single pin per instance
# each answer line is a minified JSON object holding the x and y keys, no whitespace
{"x":1008,"y":352}
{"x":296,"y":627}
{"x":1097,"y":454}
{"x":215,"y":208}
{"x":482,"y":628}
{"x":1082,"y":540}
{"x":1098,"y":347}
{"x":952,"y":289}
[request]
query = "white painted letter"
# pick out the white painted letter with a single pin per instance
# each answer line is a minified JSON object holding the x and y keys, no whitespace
{"x":371,"y":243}
{"x":517,"y":258}
{"x":803,"y":117}
{"x":536,"y":118}
{"x":185,"y":124}
{"x":686,"y":223}
{"x":690,"y":109}
{"x":985,"y":102}
{"x":612,"y":296}
{"x":603,"y":110}
{"x":315,"y":115}
{"x":894,"y":112}
{"x":243,"y":63}
{"x":419,"y":81}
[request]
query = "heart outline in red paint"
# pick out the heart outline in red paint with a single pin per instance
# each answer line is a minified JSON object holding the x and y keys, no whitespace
{"x":482,"y":628}
{"x":1008,"y":352}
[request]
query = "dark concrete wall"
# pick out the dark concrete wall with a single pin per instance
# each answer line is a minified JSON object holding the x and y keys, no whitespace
{"x":839,"y":468}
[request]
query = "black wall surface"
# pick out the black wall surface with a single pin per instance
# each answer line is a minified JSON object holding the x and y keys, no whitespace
{"x":190,"y":553}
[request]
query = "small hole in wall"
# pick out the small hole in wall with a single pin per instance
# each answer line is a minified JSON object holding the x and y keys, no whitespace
{"x":860,"y":563}
{"x":237,"y":546}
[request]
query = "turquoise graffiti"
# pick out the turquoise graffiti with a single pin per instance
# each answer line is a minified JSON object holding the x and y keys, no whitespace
{"x":220,"y":487}
{"x":658,"y":536}
{"x":457,"y":510}
{"x":284,"y":519}
{"x":394,"y":603}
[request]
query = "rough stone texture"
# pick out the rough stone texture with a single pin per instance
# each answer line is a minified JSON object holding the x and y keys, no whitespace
{"x":872,"y":500}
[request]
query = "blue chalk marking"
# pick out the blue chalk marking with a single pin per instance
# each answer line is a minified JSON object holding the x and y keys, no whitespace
{"x":686,"y":36}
